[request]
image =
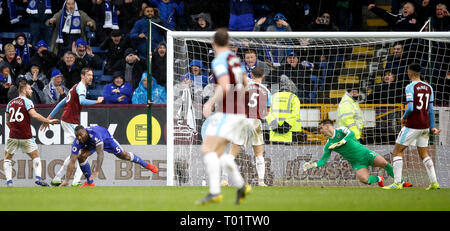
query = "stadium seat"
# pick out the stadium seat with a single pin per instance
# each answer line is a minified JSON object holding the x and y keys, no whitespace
{"x":97,"y":50}
{"x":106,"y":78}
{"x":348,"y":79}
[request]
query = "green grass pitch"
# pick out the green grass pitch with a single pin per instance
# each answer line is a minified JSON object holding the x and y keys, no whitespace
{"x":162,"y":198}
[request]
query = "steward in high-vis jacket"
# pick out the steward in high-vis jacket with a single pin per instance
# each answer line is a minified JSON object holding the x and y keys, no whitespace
{"x":349,"y":113}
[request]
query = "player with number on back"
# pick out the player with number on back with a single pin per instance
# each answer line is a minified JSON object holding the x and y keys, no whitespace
{"x":75,"y":99}
{"x":257,"y":106}
{"x":18,"y":117}
{"x":97,"y":139}
{"x":419,"y":121}
{"x":342,"y":140}
{"x":228,"y":123}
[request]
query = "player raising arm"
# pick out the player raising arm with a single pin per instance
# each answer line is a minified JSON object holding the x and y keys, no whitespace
{"x":97,"y":139}
{"x":19,"y":112}
{"x":419,"y":121}
{"x":343,"y":141}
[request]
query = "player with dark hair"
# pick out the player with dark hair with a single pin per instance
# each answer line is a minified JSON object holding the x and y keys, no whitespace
{"x":19,"y":112}
{"x":75,"y":99}
{"x":228,"y":123}
{"x":342,"y":140}
{"x":257,"y":106}
{"x":418,"y":122}
{"x":97,"y":139}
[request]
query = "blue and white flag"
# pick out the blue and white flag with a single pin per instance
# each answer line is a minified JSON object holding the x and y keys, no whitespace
{"x":32,"y":7}
{"x":110,"y":16}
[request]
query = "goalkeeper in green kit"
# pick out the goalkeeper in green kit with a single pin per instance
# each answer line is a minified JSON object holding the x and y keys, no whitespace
{"x":342,"y":140}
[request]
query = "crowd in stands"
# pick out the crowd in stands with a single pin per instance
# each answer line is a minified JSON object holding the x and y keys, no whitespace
{"x":60,"y":37}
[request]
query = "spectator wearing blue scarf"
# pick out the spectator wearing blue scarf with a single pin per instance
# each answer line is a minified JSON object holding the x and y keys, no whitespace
{"x":55,"y":90}
{"x":23,"y":49}
{"x":119,"y":91}
{"x":198,"y":74}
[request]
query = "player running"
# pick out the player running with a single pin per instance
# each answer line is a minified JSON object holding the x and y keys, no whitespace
{"x":343,"y":141}
{"x":257,"y":106}
{"x":18,"y":113}
{"x":75,"y":99}
{"x":228,"y":123}
{"x":419,"y":121}
{"x":97,"y":139}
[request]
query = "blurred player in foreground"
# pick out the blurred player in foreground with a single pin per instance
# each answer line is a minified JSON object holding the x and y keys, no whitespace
{"x":419,"y":122}
{"x":342,"y":140}
{"x":257,"y":106}
{"x":97,"y":139}
{"x":228,"y":123}
{"x":18,"y":117}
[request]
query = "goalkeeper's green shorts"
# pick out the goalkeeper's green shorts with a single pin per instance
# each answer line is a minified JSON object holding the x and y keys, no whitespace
{"x":365,"y":161}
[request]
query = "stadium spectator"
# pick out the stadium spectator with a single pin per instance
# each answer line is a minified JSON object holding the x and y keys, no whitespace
{"x":68,"y":25}
{"x":70,"y":66}
{"x":440,"y":21}
{"x":241,"y":15}
{"x":139,"y":33}
{"x":323,"y":23}
{"x":194,"y":8}
{"x":405,"y":21}
{"x":36,"y":79}
{"x":44,"y":58}
{"x":23,"y":48}
{"x":39,"y":13}
{"x":170,"y":12}
{"x":5,"y":81}
{"x":279,"y":25}
{"x":13,"y":91}
{"x":84,"y":52}
{"x":159,"y":95}
{"x":129,"y":14}
{"x":132,"y":67}
{"x":397,"y":63}
{"x":159,"y":60}
{"x":115,"y":45}
{"x":201,"y":22}
{"x":55,"y":90}
{"x":251,"y":61}
{"x":198,"y":74}
{"x":349,"y":113}
{"x":16,"y":64}
{"x":119,"y":91}
{"x":104,"y":13}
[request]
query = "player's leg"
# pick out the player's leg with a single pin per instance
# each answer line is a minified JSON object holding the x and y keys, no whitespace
{"x":10,"y":148}
{"x":124,"y":155}
{"x":234,"y":151}
{"x":260,"y":163}
{"x":363,"y":175}
{"x":85,"y":167}
{"x":30,"y":147}
{"x":422,"y":149}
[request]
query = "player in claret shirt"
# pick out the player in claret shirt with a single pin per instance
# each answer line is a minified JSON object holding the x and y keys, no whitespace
{"x":18,"y":116}
{"x":419,"y":122}
{"x":343,"y":141}
{"x":97,"y":139}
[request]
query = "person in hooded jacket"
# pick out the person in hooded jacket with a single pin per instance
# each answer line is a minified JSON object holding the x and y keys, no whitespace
{"x":119,"y":91}
{"x":159,"y":95}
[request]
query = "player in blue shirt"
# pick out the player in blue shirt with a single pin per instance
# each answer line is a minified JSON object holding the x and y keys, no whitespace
{"x":97,"y":139}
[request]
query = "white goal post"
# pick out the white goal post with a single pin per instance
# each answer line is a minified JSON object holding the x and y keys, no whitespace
{"x":296,"y":40}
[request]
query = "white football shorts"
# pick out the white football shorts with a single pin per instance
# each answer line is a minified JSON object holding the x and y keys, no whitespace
{"x":254,"y":133}
{"x":69,"y":132}
{"x":413,"y":137}
{"x":26,"y":145}
{"x":232,"y":127}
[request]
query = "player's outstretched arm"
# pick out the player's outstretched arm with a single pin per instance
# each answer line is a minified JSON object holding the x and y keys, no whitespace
{"x":100,"y":154}
{"x":70,"y":168}
{"x":55,"y":110}
{"x":33,"y":113}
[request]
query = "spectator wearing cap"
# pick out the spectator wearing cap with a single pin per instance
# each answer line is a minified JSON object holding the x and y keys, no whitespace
{"x":36,"y":79}
{"x":132,"y":67}
{"x":16,"y":64}
{"x":44,"y":58}
{"x":23,"y":49}
{"x":70,"y":66}
{"x":13,"y":91}
{"x":280,"y":24}
{"x":119,"y":91}
{"x":159,"y":67}
{"x":85,"y":54}
{"x":115,"y":45}
{"x":55,"y":90}
{"x":5,"y":81}
{"x":323,"y":23}
{"x":139,"y":32}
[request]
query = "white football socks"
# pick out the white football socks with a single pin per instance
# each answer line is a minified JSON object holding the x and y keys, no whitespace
{"x":260,"y":167}
{"x":398,"y":168}
{"x":62,"y":171}
{"x":37,"y":167}
{"x":212,"y":164}
{"x":7,"y":167}
{"x":428,"y":162}
{"x":227,"y":163}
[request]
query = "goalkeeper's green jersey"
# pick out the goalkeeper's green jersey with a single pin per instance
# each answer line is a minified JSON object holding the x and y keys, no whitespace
{"x":353,"y":151}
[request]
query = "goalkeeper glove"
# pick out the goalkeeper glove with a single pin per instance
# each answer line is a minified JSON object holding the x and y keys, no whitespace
{"x":308,"y":165}
{"x":337,"y":144}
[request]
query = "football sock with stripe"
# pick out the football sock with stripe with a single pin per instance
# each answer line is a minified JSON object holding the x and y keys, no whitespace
{"x":37,"y":167}
{"x":86,"y":168}
{"x":398,"y":168}
{"x":136,"y":159}
{"x":428,"y":162}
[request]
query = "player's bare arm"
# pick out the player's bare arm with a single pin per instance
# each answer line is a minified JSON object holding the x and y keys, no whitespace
{"x":70,"y":167}
{"x":100,"y":155}
{"x":33,"y":113}
{"x":221,"y":89}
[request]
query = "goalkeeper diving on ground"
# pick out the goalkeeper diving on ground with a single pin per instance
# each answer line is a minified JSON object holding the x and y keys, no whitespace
{"x":342,"y":140}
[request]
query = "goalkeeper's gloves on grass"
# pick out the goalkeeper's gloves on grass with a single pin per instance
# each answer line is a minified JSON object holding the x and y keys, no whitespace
{"x":337,"y":144}
{"x":308,"y":165}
